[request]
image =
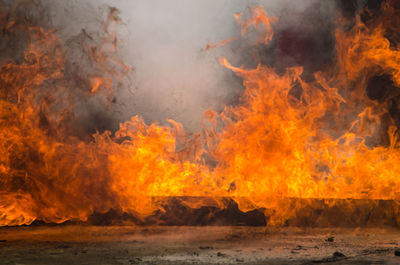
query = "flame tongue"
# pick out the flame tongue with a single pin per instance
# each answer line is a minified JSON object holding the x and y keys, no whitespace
{"x":318,"y":142}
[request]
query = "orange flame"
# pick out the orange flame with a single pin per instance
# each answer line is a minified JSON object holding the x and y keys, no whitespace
{"x":271,"y":146}
{"x":259,"y":19}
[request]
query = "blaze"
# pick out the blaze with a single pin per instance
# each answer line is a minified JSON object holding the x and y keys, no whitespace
{"x":324,"y":143}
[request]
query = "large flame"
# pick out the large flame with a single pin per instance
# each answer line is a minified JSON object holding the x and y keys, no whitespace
{"x":324,"y":143}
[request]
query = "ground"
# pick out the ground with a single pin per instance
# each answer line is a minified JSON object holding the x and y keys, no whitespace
{"x":45,"y":245}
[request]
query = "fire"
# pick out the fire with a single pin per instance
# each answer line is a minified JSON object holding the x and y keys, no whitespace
{"x":258,"y":19}
{"x":273,"y":145}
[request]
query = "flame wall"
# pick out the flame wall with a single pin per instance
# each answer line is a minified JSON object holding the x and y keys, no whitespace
{"x":328,"y":129}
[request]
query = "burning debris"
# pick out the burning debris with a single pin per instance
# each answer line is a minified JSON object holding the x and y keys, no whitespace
{"x":298,"y":149}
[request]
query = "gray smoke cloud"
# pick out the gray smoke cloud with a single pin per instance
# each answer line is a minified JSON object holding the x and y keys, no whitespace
{"x":165,"y":42}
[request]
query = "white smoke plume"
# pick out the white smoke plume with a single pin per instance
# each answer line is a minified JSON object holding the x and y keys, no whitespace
{"x":174,"y":76}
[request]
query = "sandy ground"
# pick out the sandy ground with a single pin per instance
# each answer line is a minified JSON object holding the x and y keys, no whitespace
{"x":43,"y":245}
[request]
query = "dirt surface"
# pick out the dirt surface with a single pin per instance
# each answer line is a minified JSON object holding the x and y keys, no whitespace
{"x":43,"y":245}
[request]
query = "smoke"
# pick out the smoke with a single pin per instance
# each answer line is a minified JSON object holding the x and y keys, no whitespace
{"x":172,"y":74}
{"x":164,"y":41}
